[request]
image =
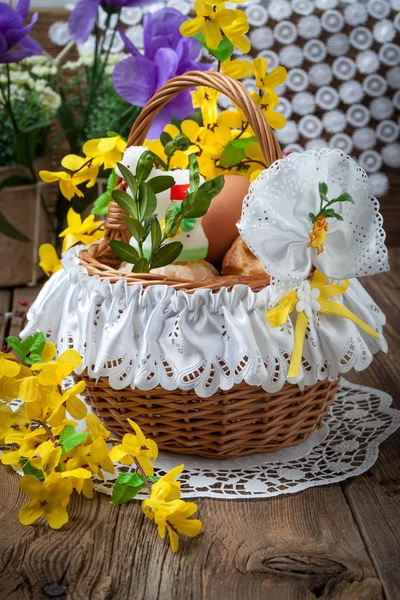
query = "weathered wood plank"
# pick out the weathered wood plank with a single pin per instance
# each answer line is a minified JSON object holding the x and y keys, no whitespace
{"x":5,"y":304}
{"x":374,"y":498}
{"x":298,"y":547}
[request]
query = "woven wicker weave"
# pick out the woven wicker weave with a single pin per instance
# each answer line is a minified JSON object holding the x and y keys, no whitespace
{"x":244,"y":419}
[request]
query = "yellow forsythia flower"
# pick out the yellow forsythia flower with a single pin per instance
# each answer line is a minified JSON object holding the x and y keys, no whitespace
{"x":109,"y":150}
{"x":68,"y":401}
{"x":8,"y":366}
{"x":81,"y":170}
{"x":78,"y":231}
{"x":236,"y":31}
{"x":136,"y":446}
{"x":49,"y":261}
{"x":12,"y":421}
{"x":238,"y":69}
{"x":267,"y":81}
{"x":48,"y":499}
{"x":169,"y":513}
{"x":210,"y":22}
{"x":206,"y":99}
{"x":53,"y":373}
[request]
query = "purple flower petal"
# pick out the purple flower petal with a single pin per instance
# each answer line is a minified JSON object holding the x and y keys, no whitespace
{"x":166,"y":62}
{"x":128,"y":44}
{"x":134,"y":79}
{"x":180,"y":107}
{"x":15,"y":56}
{"x":31,"y":45}
{"x":3,"y":44}
{"x":81,"y":20}
{"x":13,"y":36}
{"x":23,"y":8}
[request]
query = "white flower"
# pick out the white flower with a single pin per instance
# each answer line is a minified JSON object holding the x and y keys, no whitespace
{"x":307,"y":299}
{"x":277,"y":227}
{"x":51,"y":99}
{"x":44,"y":70}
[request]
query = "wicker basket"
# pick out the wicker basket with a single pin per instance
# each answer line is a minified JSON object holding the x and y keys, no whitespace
{"x":231,"y":423}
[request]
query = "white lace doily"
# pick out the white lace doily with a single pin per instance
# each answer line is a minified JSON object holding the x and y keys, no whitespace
{"x":201,"y":341}
{"x":359,"y":420}
{"x":347,"y":445}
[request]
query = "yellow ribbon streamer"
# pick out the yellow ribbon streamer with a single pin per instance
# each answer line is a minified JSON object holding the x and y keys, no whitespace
{"x":278,"y":315}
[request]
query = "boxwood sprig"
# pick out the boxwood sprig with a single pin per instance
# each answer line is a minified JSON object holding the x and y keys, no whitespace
{"x":141,"y":218}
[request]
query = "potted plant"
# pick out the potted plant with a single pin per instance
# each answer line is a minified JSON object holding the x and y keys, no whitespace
{"x":28,"y":105}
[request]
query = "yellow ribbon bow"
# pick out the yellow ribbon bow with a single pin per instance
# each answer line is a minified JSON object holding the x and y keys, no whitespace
{"x":319,"y":303}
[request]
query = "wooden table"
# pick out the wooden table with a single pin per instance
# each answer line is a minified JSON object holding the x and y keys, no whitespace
{"x":338,"y":541}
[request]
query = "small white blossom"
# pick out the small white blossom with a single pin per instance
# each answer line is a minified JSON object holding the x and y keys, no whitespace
{"x":307,"y":299}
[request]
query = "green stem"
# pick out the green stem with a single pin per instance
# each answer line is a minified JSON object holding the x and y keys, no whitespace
{"x":7,"y":100}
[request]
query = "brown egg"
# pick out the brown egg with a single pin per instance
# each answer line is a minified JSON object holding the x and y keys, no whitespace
{"x":219,"y":223}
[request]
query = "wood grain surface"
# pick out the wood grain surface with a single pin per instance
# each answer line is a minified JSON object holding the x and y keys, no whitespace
{"x":331,"y":542}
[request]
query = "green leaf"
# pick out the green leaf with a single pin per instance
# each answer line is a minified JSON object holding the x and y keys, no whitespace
{"x":27,"y":469}
{"x":127,"y":486}
{"x":70,"y":439}
{"x":153,"y":479}
{"x":181,"y":142}
{"x":196,"y":205}
{"x":231,"y":156}
{"x":15,"y":180}
{"x":312,"y":217}
{"x":142,"y":266}
{"x":112,"y":181}
{"x":223,"y":52}
{"x":166,"y":255}
{"x":16,"y":345}
{"x":165,"y":138}
{"x":155,"y":234}
{"x":172,"y":211}
{"x":331,"y":213}
{"x":194,"y":173}
{"x":124,"y":251}
{"x":243,"y":142}
{"x":37,"y":342}
{"x":158,"y":160}
{"x":161,"y":183}
{"x":345,"y":197}
{"x":147,"y":225}
{"x":126,"y":202}
{"x":129,"y":178}
{"x":100,"y":206}
{"x":135,"y":227}
{"x":25,"y":146}
{"x":323,"y":188}
{"x":144,"y":167}
{"x":10,"y":231}
{"x":29,"y":350}
{"x":147,"y":201}
{"x":213,"y":186}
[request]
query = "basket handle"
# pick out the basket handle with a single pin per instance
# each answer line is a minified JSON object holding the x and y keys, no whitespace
{"x":116,"y":227}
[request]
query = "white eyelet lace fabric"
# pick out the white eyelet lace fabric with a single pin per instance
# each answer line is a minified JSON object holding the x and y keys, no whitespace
{"x":275,"y":221}
{"x":201,"y":341}
{"x":347,"y":445}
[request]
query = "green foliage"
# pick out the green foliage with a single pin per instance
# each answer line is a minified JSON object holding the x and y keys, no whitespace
{"x":325,"y":203}
{"x":100,"y":206}
{"x":27,"y":469}
{"x":223,"y":52}
{"x":235,"y":152}
{"x":29,"y":350}
{"x":70,"y":439}
{"x":141,"y":203}
{"x":127,"y":486}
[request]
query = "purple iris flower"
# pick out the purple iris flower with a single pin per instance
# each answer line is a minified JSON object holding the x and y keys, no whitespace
{"x":13,"y":33}
{"x":166,"y":54}
{"x":83,"y":16}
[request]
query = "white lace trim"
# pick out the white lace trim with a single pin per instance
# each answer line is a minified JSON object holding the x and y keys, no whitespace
{"x":201,"y":341}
